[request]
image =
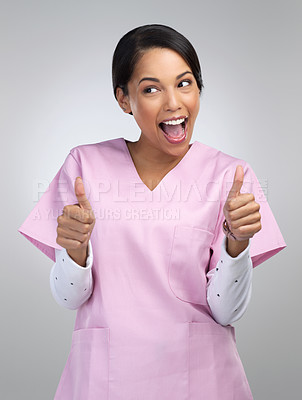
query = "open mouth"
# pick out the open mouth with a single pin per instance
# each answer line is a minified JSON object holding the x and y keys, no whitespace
{"x":175,"y":130}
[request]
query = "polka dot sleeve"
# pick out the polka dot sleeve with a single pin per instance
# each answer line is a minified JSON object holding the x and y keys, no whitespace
{"x":71,"y":284}
{"x":229,"y":286}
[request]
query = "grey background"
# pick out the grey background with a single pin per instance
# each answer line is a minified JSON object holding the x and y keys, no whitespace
{"x":55,"y":93}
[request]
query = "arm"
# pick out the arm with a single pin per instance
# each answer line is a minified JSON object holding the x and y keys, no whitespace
{"x":71,"y":284}
{"x":229,"y":285}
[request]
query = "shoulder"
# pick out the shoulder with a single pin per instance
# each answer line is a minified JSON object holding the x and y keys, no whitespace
{"x":106,"y":148}
{"x":218,"y":167}
{"x":217,"y":159}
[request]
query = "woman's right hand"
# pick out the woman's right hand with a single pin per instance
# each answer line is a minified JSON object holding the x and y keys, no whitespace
{"x":75,"y":225}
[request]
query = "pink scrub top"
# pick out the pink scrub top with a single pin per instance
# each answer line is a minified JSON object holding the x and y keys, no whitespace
{"x":147,"y":331}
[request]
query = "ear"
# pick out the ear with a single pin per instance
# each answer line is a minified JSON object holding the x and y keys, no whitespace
{"x":123,"y":100}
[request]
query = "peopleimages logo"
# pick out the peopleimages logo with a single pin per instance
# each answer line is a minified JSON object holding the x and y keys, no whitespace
{"x":121,"y":192}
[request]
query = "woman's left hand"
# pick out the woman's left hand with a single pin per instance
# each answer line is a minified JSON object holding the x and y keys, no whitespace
{"x":241,"y":211}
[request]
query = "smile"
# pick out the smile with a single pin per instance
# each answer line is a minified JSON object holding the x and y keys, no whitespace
{"x":175,"y":129}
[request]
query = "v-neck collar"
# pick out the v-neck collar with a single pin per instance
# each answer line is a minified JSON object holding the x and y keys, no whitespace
{"x":168,"y":174}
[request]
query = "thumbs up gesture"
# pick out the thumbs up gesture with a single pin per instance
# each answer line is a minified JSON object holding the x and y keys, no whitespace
{"x":75,"y":225}
{"x":241,"y":210}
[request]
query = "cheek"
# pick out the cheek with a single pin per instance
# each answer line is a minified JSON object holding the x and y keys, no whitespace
{"x":194,"y":105}
{"x":144,"y":112}
{"x":197,"y":106}
{"x":143,"y":117}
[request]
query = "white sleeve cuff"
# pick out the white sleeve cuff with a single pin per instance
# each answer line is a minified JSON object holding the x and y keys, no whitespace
{"x":71,"y":284}
{"x":229,"y":285}
{"x":71,"y":266}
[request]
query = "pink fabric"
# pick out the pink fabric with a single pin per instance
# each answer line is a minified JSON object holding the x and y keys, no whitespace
{"x":147,"y":331}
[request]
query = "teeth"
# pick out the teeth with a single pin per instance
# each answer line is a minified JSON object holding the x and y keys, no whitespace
{"x":174,"y":121}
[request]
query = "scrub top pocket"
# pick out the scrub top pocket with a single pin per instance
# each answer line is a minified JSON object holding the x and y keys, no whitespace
{"x":189,"y":260}
{"x":85,"y":375}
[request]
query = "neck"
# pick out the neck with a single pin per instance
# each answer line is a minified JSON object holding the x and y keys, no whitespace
{"x":151,"y":158}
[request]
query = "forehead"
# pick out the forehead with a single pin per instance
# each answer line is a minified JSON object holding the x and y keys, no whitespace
{"x":159,"y":63}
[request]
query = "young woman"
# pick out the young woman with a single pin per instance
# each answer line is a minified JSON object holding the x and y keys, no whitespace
{"x":155,"y":240}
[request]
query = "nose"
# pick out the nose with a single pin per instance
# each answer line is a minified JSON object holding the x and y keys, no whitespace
{"x":172,"y":101}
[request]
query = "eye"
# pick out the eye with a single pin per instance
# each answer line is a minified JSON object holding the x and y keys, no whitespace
{"x":185,"y":83}
{"x":150,"y":90}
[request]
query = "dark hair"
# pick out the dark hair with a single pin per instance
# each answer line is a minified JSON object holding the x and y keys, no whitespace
{"x":133,"y":44}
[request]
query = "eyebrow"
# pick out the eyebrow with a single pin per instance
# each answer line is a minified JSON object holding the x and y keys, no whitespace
{"x":157,"y":80}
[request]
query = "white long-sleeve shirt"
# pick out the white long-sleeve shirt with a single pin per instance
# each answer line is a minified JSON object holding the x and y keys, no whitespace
{"x":229,"y":287}
{"x":228,"y":290}
{"x":71,"y":284}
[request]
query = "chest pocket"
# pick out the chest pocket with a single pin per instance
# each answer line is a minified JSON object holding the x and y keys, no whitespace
{"x":189,"y":259}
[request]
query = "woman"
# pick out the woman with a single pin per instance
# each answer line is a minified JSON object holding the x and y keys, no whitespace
{"x":157,"y":242}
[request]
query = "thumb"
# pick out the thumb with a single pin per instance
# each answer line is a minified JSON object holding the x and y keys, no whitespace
{"x":81,"y":195}
{"x":237,"y":182}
